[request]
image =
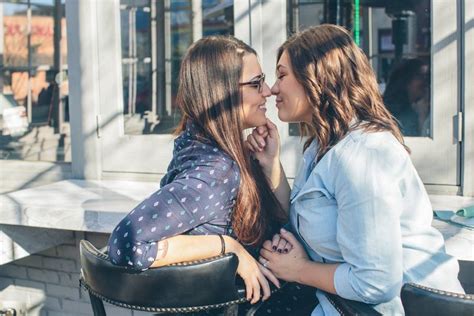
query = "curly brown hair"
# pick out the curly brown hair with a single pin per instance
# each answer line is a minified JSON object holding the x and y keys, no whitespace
{"x":340,"y":85}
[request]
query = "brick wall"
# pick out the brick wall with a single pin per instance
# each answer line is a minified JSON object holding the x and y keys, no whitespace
{"x":56,"y":272}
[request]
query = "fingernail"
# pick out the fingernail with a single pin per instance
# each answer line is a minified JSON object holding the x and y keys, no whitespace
{"x":283,"y":230}
{"x":279,"y":250}
{"x":274,"y":247}
{"x":285,"y":250}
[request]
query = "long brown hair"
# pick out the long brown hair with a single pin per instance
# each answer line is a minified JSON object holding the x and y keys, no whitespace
{"x":210,"y":96}
{"x":340,"y":85}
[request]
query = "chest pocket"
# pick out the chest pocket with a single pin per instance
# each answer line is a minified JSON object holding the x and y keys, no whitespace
{"x":316,"y":222}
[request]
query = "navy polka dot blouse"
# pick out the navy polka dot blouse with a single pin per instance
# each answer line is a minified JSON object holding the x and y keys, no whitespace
{"x":196,"y":197}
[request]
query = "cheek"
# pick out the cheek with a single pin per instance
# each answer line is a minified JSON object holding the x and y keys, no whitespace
{"x":247,"y":105}
{"x":296,"y":109}
{"x":248,"y":102}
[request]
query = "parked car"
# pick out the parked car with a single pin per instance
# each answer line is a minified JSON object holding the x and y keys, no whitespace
{"x":13,"y":118}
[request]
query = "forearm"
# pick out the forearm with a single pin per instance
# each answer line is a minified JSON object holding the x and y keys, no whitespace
{"x":279,"y":184}
{"x":319,"y":275}
{"x":184,"y":248}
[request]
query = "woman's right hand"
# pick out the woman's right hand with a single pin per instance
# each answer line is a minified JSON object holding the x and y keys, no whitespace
{"x":255,"y":276}
{"x":264,"y":142}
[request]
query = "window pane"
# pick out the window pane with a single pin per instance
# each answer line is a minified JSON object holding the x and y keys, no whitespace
{"x":396,"y":36}
{"x":34,"y":118}
{"x":15,"y":39}
{"x":401,"y":57}
{"x":149,"y":100}
{"x":42,"y":34}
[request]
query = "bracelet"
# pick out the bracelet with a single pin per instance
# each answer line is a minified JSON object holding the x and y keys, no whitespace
{"x":222,"y":244}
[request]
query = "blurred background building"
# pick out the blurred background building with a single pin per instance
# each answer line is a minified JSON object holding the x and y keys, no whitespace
{"x":417,"y":49}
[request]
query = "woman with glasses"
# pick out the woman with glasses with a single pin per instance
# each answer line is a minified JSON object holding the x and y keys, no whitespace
{"x":214,"y":198}
{"x":360,"y":213}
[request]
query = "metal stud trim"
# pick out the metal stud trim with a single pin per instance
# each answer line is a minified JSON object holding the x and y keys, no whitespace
{"x":160,"y":309}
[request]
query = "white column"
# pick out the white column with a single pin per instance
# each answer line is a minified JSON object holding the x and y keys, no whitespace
{"x":197,"y":19}
{"x":468,"y":99}
{"x":84,"y":97}
{"x":242,"y":21}
{"x":167,"y":43}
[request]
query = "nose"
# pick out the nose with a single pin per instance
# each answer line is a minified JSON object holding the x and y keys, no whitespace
{"x":266,"y":92}
{"x":275,"y":89}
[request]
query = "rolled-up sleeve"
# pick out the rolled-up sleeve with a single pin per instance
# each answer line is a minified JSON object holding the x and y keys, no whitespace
{"x":367,"y":182}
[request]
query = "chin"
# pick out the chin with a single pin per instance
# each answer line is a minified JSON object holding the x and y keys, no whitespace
{"x":256,"y":123}
{"x":260,"y":122}
{"x":260,"y":119}
{"x":283,"y":117}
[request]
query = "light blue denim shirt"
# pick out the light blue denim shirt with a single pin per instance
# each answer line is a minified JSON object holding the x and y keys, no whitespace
{"x":363,"y":205}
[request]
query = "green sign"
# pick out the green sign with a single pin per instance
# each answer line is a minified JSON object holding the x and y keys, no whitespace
{"x":356,"y":22}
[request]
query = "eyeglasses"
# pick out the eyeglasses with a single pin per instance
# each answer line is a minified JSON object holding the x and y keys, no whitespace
{"x":257,"y":82}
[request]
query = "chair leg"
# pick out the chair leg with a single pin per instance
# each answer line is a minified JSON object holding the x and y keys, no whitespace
{"x":97,"y":305}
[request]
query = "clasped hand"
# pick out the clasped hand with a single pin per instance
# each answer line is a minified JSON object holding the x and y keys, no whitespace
{"x":284,"y":256}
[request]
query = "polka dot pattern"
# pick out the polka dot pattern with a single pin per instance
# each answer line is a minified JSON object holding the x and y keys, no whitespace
{"x":196,"y":197}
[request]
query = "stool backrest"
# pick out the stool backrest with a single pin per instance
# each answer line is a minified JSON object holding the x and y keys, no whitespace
{"x":204,"y":282}
{"x":420,"y":300}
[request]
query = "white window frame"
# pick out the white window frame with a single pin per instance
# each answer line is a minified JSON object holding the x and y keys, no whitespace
{"x":94,"y":67}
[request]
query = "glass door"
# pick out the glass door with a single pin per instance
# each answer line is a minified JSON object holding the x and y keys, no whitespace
{"x":413,"y":48}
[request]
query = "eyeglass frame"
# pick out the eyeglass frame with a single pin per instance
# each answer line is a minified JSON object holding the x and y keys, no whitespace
{"x":255,"y":82}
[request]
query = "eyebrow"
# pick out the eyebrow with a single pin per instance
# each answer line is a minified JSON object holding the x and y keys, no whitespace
{"x":280,"y":66}
{"x":256,"y":77}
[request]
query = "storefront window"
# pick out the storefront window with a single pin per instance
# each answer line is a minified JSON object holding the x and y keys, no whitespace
{"x":396,"y":37}
{"x":152,"y":54}
{"x":34,"y":116}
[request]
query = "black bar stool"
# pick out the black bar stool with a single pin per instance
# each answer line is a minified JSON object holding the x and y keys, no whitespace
{"x":181,"y":288}
{"x":419,"y":300}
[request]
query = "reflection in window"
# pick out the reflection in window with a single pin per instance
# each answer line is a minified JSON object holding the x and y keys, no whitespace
{"x":155,"y":37}
{"x":33,"y":83}
{"x":396,"y":36}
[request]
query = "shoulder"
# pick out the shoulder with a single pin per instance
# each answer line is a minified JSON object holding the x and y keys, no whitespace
{"x":206,"y":161}
{"x":195,"y":158}
{"x":201,"y":153}
{"x":366,"y":157}
{"x":362,"y":145}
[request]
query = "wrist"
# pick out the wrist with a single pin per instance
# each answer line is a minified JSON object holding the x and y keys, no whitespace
{"x":300,"y":271}
{"x":274,"y":174}
{"x":231,"y":245}
{"x":270,"y":166}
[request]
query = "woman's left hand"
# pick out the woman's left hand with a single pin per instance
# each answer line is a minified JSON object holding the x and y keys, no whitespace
{"x":285,"y":266}
{"x":278,"y":244}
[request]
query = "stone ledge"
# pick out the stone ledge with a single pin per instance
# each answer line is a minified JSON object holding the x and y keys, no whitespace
{"x":97,"y":206}
{"x":92,"y":206}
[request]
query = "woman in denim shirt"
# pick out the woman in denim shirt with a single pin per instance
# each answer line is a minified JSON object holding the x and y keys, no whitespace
{"x":358,"y":206}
